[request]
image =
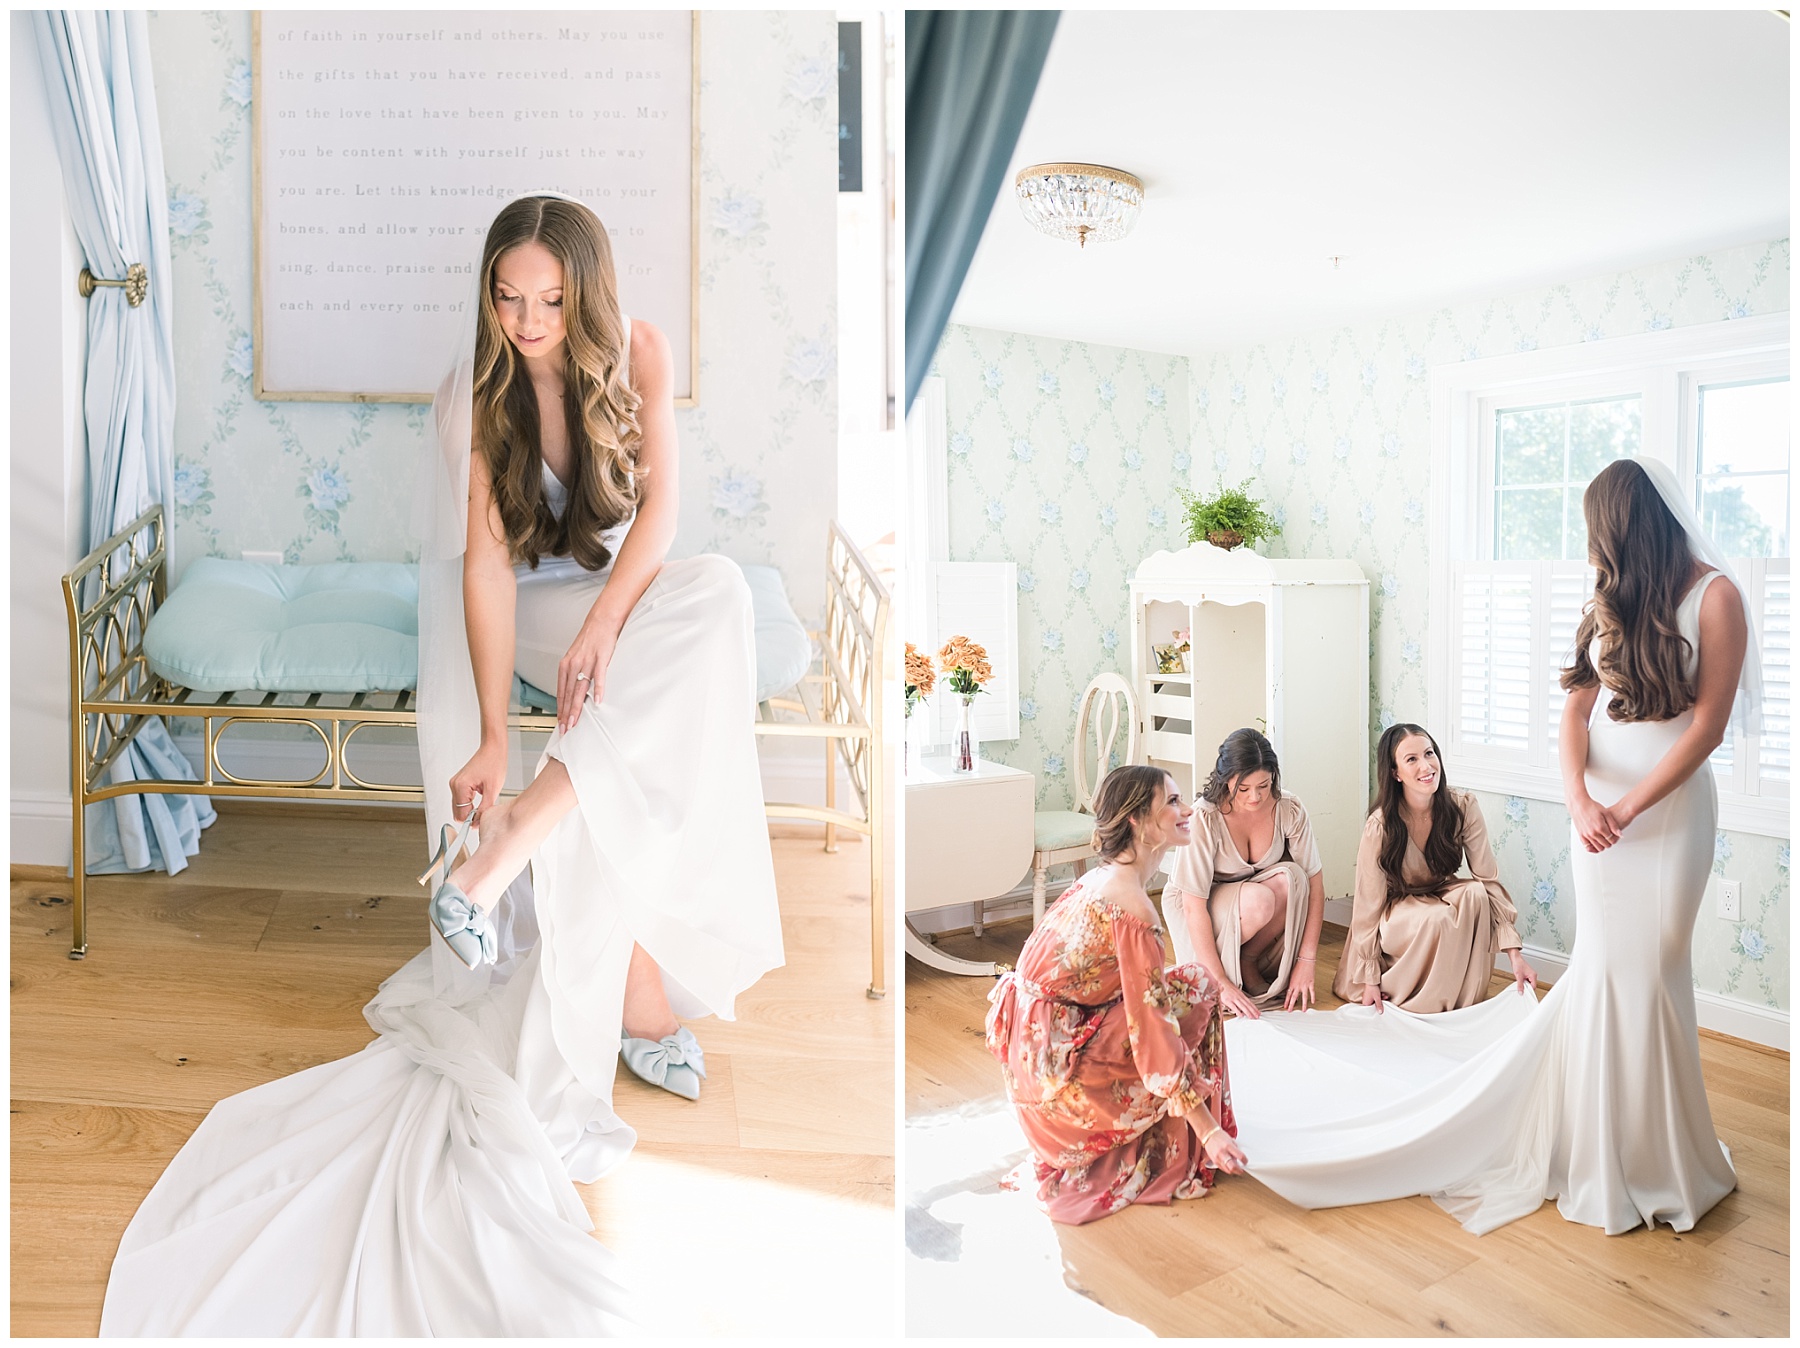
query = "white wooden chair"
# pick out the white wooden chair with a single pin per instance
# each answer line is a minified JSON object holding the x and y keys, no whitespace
{"x":1068,"y":835}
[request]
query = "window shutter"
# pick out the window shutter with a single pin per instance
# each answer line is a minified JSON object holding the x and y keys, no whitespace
{"x":1496,"y":620}
{"x":1776,"y":635}
{"x":978,"y":600}
{"x":1570,"y":586}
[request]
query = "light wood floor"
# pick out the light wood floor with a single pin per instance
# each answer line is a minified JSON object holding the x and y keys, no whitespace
{"x":1246,"y":1262}
{"x":256,"y":961}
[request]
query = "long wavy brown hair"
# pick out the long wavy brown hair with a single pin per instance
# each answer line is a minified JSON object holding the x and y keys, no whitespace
{"x":1642,"y":564}
{"x":598,"y":401}
{"x":1443,"y":848}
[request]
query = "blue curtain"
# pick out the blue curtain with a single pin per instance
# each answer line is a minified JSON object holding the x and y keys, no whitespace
{"x":103,"y":112}
{"x":970,"y":75}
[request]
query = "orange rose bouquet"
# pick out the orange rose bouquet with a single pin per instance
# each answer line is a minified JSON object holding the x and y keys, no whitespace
{"x":921,"y":677}
{"x":966,"y":669}
{"x":965,"y":663}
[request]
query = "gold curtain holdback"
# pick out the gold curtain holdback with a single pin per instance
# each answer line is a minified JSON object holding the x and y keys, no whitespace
{"x":136,"y":283}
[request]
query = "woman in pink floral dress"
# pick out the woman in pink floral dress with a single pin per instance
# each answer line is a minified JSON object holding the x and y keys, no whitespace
{"x":1115,"y":1064}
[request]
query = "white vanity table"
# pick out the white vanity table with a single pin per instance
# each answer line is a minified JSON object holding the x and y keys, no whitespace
{"x":968,"y":839}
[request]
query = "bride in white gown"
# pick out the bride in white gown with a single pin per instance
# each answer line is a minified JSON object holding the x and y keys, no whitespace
{"x":1593,"y":1097}
{"x":423,"y":1186}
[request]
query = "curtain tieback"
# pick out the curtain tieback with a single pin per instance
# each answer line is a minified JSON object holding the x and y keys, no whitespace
{"x":136,"y":283}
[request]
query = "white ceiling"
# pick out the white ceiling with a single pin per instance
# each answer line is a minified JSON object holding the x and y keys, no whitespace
{"x":1444,"y":156}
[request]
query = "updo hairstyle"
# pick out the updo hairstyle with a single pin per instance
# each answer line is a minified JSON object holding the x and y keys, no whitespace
{"x":1128,"y":793}
{"x":1243,"y":751}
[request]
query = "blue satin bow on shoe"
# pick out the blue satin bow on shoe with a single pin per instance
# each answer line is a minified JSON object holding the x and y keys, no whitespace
{"x":675,"y":1062}
{"x":467,"y":930}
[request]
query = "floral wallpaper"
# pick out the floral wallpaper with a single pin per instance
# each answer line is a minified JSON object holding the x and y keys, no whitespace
{"x":1335,"y":428}
{"x":1063,"y":458}
{"x":334,"y":481}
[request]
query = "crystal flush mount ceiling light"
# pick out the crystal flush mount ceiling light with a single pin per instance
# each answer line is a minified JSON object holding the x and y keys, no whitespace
{"x":1079,"y":202}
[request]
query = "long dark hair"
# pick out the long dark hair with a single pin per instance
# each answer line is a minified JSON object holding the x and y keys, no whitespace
{"x":599,"y":405}
{"x":1642,"y":566}
{"x":1443,"y":848}
{"x":1127,"y":793}
{"x":1243,"y":751}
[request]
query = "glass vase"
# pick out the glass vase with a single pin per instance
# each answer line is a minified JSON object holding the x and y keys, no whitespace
{"x":965,"y":749}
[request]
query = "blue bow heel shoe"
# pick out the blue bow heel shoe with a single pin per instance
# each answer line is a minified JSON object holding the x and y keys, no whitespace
{"x":467,"y":930}
{"x":675,"y":1062}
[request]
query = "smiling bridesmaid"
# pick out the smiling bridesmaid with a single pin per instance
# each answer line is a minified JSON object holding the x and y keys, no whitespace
{"x":1245,"y":897}
{"x":1114,"y":1064}
{"x":1422,"y":936}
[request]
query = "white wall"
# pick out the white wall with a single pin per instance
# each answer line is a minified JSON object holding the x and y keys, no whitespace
{"x":49,"y":476}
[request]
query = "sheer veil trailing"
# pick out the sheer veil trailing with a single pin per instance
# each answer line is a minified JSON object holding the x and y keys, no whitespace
{"x":1746,"y":711}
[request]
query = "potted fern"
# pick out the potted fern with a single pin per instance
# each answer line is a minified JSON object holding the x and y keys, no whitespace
{"x":1228,"y":518}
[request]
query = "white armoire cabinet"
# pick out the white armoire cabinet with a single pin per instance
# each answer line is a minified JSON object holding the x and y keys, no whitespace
{"x":1278,"y":644}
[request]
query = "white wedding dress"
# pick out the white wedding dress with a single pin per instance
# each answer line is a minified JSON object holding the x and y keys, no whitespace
{"x":1593,"y":1097}
{"x":423,"y":1186}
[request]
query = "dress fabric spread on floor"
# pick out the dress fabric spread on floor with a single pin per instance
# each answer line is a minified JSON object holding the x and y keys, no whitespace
{"x":1432,"y":948}
{"x":423,"y":1186}
{"x":1104,"y":1053}
{"x":1593,"y":1097}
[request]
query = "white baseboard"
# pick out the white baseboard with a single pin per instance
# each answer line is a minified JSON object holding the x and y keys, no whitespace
{"x":1765,"y":1025}
{"x":40,"y":829}
{"x":793,"y":772}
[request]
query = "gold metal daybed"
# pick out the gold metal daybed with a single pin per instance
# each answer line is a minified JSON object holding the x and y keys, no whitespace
{"x":113,"y":592}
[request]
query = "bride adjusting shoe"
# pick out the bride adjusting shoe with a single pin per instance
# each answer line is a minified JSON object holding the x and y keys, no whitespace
{"x":466,"y":929}
{"x":675,"y":1062}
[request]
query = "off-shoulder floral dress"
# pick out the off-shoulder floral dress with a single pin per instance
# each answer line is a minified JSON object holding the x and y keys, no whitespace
{"x":1104,"y":1052}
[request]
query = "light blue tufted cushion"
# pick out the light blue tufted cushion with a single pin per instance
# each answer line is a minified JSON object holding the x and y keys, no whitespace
{"x":347,"y":627}
{"x":337,"y":627}
{"x":783,"y":650}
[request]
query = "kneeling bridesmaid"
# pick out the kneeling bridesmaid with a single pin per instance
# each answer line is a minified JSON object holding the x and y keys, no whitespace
{"x":1421,"y":936}
{"x":1246,"y":897}
{"x":1115,"y":1065}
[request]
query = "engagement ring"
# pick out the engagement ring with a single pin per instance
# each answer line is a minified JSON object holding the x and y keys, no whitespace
{"x":581,"y":678}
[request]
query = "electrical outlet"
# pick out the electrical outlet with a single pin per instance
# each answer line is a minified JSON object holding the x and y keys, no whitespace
{"x":267,"y":558}
{"x":1731,"y":900}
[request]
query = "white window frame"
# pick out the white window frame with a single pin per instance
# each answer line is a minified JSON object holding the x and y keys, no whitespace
{"x":1665,"y":369}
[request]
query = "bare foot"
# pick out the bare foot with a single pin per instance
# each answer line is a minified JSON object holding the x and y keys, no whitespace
{"x":646,"y":1013}
{"x":653,"y":1033}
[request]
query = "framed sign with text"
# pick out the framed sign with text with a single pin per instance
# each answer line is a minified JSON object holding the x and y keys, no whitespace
{"x":384,"y":142}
